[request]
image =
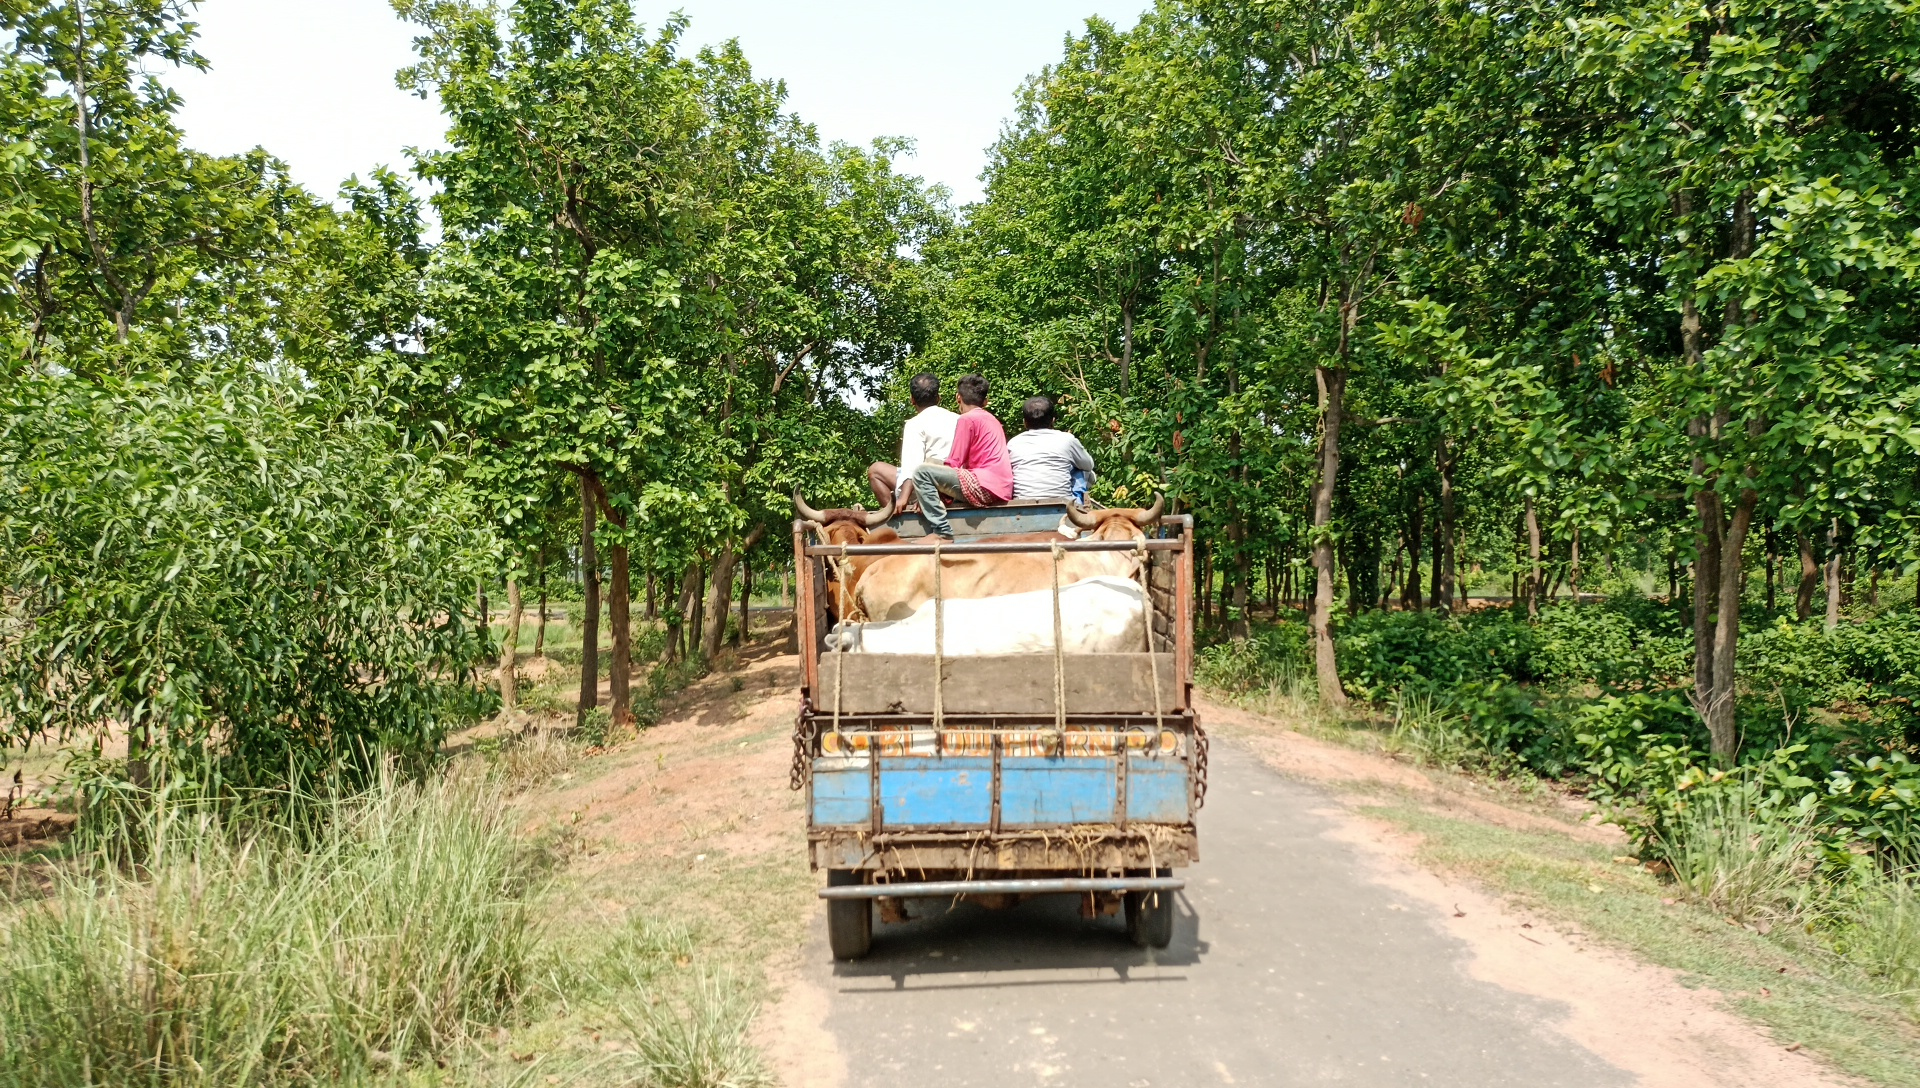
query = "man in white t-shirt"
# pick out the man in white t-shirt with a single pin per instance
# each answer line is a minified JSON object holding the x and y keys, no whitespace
{"x":928,"y":436}
{"x":1046,"y":461}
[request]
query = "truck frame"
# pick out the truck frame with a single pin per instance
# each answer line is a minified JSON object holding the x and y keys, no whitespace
{"x":997,"y":777}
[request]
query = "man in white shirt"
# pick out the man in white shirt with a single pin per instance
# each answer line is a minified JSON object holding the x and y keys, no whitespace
{"x":1045,"y":461}
{"x":928,"y":436}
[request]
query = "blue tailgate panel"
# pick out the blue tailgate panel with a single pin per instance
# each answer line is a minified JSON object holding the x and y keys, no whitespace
{"x":1157,"y":790}
{"x":841,"y":795}
{"x":1069,"y":790}
{"x":950,"y":791}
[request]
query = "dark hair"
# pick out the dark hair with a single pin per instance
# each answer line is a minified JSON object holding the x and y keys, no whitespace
{"x":1037,"y":412}
{"x":973,"y":390}
{"x":925,"y":389}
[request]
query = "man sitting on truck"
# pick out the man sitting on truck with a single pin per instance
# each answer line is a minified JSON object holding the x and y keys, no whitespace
{"x":926,"y":437}
{"x":1047,"y":463}
{"x":976,"y":471}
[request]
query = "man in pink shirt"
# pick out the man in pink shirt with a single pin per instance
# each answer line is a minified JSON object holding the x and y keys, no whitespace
{"x":976,"y":471}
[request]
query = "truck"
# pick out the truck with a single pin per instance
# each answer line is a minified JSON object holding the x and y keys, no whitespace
{"x":993,"y":777}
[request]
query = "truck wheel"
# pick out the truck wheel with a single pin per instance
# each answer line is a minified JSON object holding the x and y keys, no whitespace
{"x":849,"y":921}
{"x":1150,"y":916}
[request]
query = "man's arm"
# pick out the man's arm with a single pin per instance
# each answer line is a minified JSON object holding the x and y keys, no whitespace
{"x":1082,"y":460}
{"x":962,"y":447}
{"x":912,"y":444}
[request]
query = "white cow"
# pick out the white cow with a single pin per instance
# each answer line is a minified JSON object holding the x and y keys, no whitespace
{"x":1100,"y":615}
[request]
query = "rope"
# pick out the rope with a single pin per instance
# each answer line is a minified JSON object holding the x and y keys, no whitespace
{"x":939,"y":640}
{"x":1146,"y":612}
{"x":840,"y":644}
{"x":1059,"y":663}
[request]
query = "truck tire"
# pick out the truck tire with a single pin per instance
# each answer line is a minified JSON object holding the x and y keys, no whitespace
{"x":849,"y":921}
{"x":1150,"y":916}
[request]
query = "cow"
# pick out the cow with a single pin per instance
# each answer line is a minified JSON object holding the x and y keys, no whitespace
{"x":1098,"y":615}
{"x":893,"y":587}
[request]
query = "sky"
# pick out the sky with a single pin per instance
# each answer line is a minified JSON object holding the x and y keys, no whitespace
{"x":312,"y":80}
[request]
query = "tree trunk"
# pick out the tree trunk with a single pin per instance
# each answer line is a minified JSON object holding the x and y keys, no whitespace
{"x":1573,"y":566}
{"x":1809,"y":577}
{"x":1719,"y":707}
{"x":1534,"y":583}
{"x":540,"y":631}
{"x":719,"y":597}
{"x":1773,"y":567}
{"x":509,"y":648}
{"x":1243,"y":577}
{"x":590,"y":604}
{"x":1449,"y":530}
{"x":745,"y":634}
{"x":1706,"y":577}
{"x":1332,"y":388}
{"x":1436,"y":545}
{"x":678,"y":642}
{"x":1833,"y":575}
{"x":653,"y":596}
{"x":619,"y":618}
{"x":1206,"y":584}
{"x":1416,"y":535}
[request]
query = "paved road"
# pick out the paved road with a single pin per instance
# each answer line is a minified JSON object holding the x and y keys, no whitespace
{"x":1288,"y":967}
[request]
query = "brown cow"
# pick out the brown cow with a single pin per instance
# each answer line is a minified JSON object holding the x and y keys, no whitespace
{"x":891,"y":587}
{"x":847,"y":526}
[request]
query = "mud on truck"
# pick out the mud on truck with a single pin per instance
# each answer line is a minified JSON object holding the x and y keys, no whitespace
{"x":1003,"y":716}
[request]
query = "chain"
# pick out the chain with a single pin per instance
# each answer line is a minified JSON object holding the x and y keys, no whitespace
{"x":805,"y":730}
{"x":1199,"y":765}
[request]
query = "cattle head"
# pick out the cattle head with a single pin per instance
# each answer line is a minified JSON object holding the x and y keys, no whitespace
{"x":841,"y":526}
{"x":846,"y":526}
{"x":1115,"y":524}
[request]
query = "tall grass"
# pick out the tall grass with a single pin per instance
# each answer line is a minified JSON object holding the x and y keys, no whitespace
{"x":1430,"y":735}
{"x":1882,"y":936}
{"x":271,"y":956}
{"x":697,"y":1038}
{"x":1747,"y":864}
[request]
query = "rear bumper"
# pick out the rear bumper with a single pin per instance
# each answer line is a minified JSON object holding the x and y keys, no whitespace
{"x":1066,"y":849}
{"x":1042,"y":886}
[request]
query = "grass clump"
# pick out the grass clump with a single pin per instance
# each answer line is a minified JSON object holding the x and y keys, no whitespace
{"x":696,"y":1038}
{"x":272,"y":954}
{"x":1748,"y":864}
{"x":1882,"y":938}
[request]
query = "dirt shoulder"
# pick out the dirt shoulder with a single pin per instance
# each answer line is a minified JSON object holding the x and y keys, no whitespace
{"x":1541,"y":893}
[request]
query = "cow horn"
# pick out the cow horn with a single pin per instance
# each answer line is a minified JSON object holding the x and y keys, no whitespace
{"x":879,"y":517}
{"x":1081,"y":516}
{"x":805,"y":511}
{"x":1152,"y":513}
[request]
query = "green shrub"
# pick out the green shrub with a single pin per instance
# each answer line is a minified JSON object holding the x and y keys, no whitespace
{"x":1384,"y":651}
{"x":272,"y":957}
{"x":234,"y":565}
{"x":1277,"y":655}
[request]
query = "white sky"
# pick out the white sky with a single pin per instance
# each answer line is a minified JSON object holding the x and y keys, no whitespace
{"x":312,"y":80}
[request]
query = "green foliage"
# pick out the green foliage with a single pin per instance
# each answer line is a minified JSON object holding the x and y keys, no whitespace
{"x":1384,"y":651}
{"x":1276,"y":655}
{"x":233,"y":569}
